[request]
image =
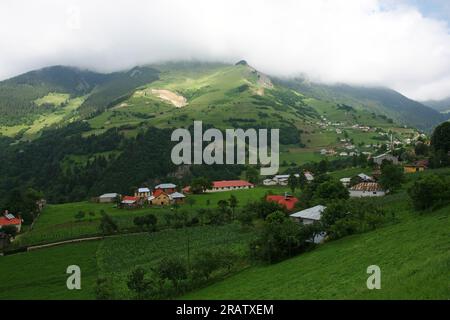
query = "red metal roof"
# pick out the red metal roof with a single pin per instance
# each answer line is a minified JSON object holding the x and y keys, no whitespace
{"x":130,"y":198}
{"x":6,"y":222}
{"x":231,"y":183}
{"x":287,"y":202}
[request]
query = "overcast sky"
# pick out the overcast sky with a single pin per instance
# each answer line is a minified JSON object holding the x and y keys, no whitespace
{"x":402,"y":44}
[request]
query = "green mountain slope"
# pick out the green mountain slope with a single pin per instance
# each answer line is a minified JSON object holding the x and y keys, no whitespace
{"x":414,"y":257}
{"x":439,"y":105}
{"x":379,"y":100}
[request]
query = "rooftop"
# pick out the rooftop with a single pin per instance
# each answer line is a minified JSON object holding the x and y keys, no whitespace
{"x":313,"y":213}
{"x":166,"y":186}
{"x":367,"y":186}
{"x":231,"y":183}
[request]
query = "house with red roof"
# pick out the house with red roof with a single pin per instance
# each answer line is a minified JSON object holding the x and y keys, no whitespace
{"x":7,"y":219}
{"x":130,"y":202}
{"x":286,"y":200}
{"x":230,"y":185}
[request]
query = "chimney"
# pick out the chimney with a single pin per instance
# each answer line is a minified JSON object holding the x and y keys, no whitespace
{"x":5,"y":213}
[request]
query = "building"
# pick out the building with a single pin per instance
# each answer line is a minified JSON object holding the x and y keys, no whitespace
{"x":143,"y":193}
{"x":167,"y":187}
{"x":287,"y":201}
{"x":229,"y":185}
{"x":108,"y":197}
{"x":345,"y":181}
{"x":9,"y":219}
{"x":160,"y":199}
{"x":130,"y":202}
{"x":309,"y":176}
{"x":367,"y":189}
{"x":385,"y":156}
{"x":269,"y":182}
{"x":177,"y":197}
{"x":418,"y":166}
{"x":310,"y":216}
{"x":365,"y":178}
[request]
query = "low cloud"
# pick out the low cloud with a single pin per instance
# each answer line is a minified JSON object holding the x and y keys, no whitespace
{"x":362,"y":42}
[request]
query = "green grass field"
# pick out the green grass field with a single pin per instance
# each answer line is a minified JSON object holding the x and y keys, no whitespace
{"x":42,"y":274}
{"x":414,"y":257}
{"x":58,"y":222}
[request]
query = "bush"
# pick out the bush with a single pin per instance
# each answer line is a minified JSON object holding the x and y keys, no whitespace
{"x":429,"y":192}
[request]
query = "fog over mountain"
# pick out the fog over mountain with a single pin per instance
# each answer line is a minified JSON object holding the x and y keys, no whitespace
{"x":359,"y":42}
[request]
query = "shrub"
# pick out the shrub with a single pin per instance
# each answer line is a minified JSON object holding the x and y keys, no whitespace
{"x":429,"y":192}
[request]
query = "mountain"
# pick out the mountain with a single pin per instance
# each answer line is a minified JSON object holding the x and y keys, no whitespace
{"x":439,"y":105}
{"x":77,"y":133}
{"x":379,"y":100}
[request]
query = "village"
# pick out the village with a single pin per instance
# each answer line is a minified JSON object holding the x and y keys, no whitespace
{"x":171,"y":195}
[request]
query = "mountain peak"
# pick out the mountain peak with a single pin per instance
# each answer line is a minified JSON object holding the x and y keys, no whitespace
{"x":242,"y":63}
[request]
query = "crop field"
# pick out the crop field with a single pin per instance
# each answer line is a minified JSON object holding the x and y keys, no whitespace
{"x":41,"y":274}
{"x":117,"y":256}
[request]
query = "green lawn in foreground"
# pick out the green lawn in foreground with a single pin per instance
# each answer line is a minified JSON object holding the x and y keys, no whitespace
{"x":41,"y":274}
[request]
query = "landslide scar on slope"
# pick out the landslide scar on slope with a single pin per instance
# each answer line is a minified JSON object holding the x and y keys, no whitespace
{"x":177,"y":100}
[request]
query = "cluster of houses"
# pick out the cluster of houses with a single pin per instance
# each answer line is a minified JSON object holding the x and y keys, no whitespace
{"x":166,"y":194}
{"x":282,"y":179}
{"x":162,"y":194}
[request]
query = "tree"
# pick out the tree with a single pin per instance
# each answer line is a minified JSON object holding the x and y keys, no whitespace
{"x":391,"y":177}
{"x":252,"y":174}
{"x":205,"y":263}
{"x":173,"y":269}
{"x":440,"y":139}
{"x":79,"y":215}
{"x":428,"y":192}
{"x":293,"y":182}
{"x":107,"y":224}
{"x":302,"y":181}
{"x":190,"y":201}
{"x":137,"y":283}
{"x":10,"y":230}
{"x":233,"y":203}
{"x":200,"y":184}
{"x":331,"y":190}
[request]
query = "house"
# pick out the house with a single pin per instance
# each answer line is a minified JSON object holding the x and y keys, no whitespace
{"x":228,"y":185}
{"x":108,"y":197}
{"x":186,"y":189}
{"x":309,"y":176}
{"x":416,"y":167}
{"x":161,"y":199}
{"x":177,"y":197}
{"x":345,"y":181}
{"x":365,"y":178}
{"x":269,"y":182}
{"x":9,"y":219}
{"x":286,"y":201}
{"x":343,"y":154}
{"x":167,"y":187}
{"x":310,"y":216}
{"x":130,"y":202}
{"x":367,"y":189}
{"x":143,"y":193}
{"x":385,"y":156}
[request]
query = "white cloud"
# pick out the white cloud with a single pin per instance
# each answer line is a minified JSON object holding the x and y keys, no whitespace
{"x":362,"y":42}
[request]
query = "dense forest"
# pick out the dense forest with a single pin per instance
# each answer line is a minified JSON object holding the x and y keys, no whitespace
{"x":144,"y":160}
